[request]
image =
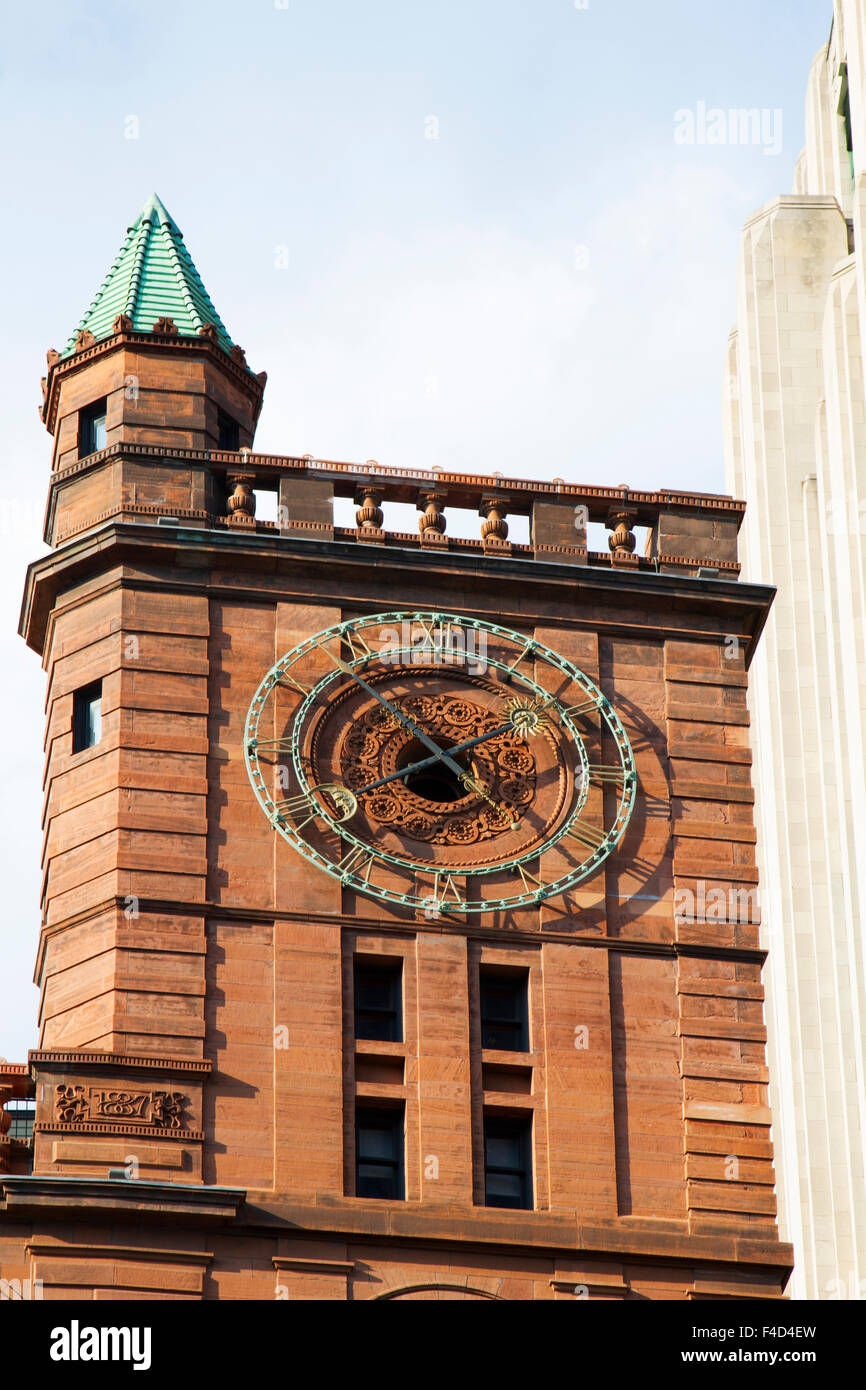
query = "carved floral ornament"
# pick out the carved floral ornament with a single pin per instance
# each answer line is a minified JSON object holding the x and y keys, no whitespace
{"x":506,"y":767}
{"x":75,"y":1105}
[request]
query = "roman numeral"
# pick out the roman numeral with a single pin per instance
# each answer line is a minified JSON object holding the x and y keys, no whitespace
{"x":429,"y":632}
{"x":530,"y":647}
{"x":295,"y":806}
{"x":583,"y":707}
{"x":357,"y":645}
{"x":606,"y":773}
{"x":587,"y":835}
{"x":289,"y":682}
{"x":355,"y":861}
{"x":530,"y":882}
{"x":449,"y":886}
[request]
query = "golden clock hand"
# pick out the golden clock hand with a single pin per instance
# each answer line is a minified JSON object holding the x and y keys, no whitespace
{"x":472,"y":784}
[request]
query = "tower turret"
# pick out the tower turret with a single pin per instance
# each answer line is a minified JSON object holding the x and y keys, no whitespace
{"x":151,"y":364}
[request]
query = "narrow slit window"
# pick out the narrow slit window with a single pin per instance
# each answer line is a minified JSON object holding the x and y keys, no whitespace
{"x":92,"y":428}
{"x":228,"y":432}
{"x":86,"y":716}
{"x":504,"y":1011}
{"x":379,"y":1148}
{"x":508,"y":1162}
{"x":378,"y":1000}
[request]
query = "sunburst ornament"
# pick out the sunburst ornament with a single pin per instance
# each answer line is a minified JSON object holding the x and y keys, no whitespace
{"x":527,"y":717}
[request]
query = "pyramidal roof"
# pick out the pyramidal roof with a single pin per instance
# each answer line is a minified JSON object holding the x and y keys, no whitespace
{"x":152,"y":277}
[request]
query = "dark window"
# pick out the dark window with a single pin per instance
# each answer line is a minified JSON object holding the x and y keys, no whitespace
{"x":228,"y":432}
{"x":507,"y":1162}
{"x":504,"y":1010}
{"x":86,"y":716}
{"x":22,"y":1114}
{"x":378,"y":1002}
{"x":92,"y":434}
{"x":379,"y":1153}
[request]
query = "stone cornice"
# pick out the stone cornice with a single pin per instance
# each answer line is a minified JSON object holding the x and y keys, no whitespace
{"x":732,"y":602}
{"x":61,"y":1249}
{"x":806,"y":202}
{"x":86,"y":1061}
{"x":225,"y":912}
{"x":113,"y":1199}
{"x":253,"y":384}
{"x":463,"y":488}
{"x":640,"y":1239}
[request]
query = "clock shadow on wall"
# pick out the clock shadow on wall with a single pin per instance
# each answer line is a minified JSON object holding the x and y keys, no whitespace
{"x":643,"y":855}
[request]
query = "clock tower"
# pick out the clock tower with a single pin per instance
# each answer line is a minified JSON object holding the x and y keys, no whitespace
{"x":400,"y":935}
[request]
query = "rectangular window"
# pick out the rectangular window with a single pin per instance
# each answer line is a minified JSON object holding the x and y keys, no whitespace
{"x":379,"y":1153}
{"x":92,"y":432}
{"x":22,"y":1114}
{"x":228,"y":432}
{"x":86,"y":716}
{"x":504,"y":1010}
{"x":378,"y":1000}
{"x":508,"y":1162}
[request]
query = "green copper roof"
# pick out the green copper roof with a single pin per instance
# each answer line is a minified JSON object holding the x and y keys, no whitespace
{"x":152,"y":277}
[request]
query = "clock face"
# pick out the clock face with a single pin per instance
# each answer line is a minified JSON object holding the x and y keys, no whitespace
{"x":440,"y":763}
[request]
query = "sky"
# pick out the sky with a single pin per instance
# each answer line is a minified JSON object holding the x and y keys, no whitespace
{"x":470,"y":234}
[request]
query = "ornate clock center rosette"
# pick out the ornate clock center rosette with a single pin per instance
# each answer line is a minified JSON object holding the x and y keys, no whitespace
{"x":515,"y":790}
{"x":433,"y":807}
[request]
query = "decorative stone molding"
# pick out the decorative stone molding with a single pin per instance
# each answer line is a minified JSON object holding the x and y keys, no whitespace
{"x":110,"y":1127}
{"x":480,"y":1287}
{"x":312,"y":1266}
{"x":25,"y":1197}
{"x":77,"y":1105}
{"x":104,"y":1061}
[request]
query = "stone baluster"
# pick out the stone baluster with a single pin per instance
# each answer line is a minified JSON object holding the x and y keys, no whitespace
{"x":494,"y":528}
{"x":620,"y":520}
{"x":241,"y":502}
{"x":432,"y":521}
{"x":369,"y":515}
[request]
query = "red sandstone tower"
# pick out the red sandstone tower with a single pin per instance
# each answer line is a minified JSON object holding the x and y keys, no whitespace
{"x":399,"y":933}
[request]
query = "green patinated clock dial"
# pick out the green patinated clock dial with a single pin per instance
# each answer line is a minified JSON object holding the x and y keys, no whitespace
{"x":440,"y":763}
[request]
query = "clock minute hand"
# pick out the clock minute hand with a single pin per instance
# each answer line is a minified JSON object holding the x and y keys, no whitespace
{"x":428,"y":762}
{"x":404,"y":718}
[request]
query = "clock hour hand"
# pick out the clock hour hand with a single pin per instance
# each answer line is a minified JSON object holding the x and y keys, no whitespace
{"x":404,"y":719}
{"x":436,"y":757}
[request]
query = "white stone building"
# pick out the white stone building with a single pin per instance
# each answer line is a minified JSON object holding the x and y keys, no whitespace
{"x":796,"y":451}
